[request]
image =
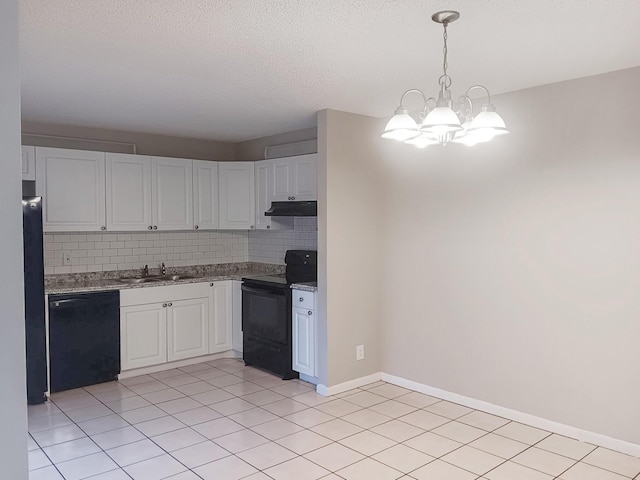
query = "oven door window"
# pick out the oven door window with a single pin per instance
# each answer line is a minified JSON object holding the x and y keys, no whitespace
{"x":264,"y":313}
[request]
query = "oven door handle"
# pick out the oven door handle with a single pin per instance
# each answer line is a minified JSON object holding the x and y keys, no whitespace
{"x":261,"y":291}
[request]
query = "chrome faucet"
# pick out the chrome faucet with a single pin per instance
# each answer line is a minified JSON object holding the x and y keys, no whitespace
{"x":145,"y":271}
{"x":164,"y":270}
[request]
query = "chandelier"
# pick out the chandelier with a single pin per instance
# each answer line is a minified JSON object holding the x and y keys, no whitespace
{"x":445,"y":121}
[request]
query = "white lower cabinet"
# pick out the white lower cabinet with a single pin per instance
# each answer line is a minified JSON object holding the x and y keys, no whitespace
{"x":143,"y":335}
{"x":175,"y":322}
{"x":221,"y":320}
{"x":187,"y":328}
{"x":304,"y":335}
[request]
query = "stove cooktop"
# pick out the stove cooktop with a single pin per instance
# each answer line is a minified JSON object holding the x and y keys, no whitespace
{"x":280,"y":279}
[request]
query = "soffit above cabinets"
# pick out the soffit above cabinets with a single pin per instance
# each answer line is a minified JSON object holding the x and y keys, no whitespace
{"x":237,"y":70}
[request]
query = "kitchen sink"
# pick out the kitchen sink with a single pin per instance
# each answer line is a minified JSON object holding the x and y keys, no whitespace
{"x":155,"y":278}
{"x":175,"y":278}
{"x":137,"y":280}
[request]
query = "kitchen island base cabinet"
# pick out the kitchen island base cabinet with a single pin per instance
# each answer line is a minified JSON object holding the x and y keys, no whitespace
{"x":143,"y":331}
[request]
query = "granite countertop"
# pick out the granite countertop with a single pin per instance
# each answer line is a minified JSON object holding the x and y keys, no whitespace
{"x":100,"y":281}
{"x":306,"y":286}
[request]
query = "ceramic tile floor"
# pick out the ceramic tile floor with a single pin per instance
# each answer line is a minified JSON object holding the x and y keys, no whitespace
{"x":223,"y":421}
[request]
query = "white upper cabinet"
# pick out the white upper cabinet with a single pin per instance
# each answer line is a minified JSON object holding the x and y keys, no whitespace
{"x":205,"y":195}
{"x":89,"y":191}
{"x":172,"y":190}
{"x":291,"y":178}
{"x":304,"y":184}
{"x":128,"y":192}
{"x":237,"y":195}
{"x":265,"y":173}
{"x":28,"y":163}
{"x":281,"y":179}
{"x":263,"y":199}
{"x":72,"y":184}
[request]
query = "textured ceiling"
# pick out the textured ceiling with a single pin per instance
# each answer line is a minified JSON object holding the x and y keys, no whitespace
{"x":239,"y":69}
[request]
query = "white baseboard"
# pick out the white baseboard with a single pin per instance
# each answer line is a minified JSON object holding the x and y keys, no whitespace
{"x":528,"y":419}
{"x":351,"y":384}
{"x":178,"y":363}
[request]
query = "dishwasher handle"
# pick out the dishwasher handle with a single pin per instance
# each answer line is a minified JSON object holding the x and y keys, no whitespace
{"x":84,"y":300}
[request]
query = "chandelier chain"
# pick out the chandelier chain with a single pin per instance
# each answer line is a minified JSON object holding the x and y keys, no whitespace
{"x":444,"y":50}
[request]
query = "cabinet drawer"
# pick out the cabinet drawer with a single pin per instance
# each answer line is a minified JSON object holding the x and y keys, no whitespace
{"x":303,"y":299}
{"x":145,"y":295}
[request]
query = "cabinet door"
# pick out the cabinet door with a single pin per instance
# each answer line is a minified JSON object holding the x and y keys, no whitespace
{"x":143,"y":335}
{"x":236,"y":315}
{"x":220,"y":332}
{"x":304,"y":341}
{"x":188,"y":328}
{"x":128,"y":192}
{"x":237,"y":195}
{"x":263,"y":199}
{"x":205,"y":194}
{"x":265,"y":185}
{"x":172,"y":189}
{"x":304,"y":178}
{"x":281,"y":179}
{"x":28,"y":163}
{"x":72,"y":184}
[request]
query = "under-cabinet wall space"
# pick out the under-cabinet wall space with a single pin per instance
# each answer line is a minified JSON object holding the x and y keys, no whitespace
{"x":270,"y":246}
{"x":96,"y":252}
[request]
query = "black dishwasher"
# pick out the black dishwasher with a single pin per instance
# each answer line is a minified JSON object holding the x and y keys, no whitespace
{"x":84,"y":339}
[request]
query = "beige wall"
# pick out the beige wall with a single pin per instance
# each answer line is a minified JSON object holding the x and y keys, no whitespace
{"x":13,"y":411}
{"x":146,"y":144}
{"x":254,"y":149}
{"x":511,"y":270}
{"x":349,"y":235}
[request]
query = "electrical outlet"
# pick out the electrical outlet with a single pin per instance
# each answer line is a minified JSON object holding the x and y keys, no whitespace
{"x":360,"y":352}
{"x":66,"y":259}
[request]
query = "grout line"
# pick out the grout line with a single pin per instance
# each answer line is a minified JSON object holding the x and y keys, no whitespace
{"x":273,"y":388}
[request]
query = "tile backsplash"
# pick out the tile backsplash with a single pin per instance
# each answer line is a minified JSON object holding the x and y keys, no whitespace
{"x":95,"y":252}
{"x":267,"y":246}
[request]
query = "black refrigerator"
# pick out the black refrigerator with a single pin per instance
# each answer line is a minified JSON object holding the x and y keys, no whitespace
{"x":34,"y":305}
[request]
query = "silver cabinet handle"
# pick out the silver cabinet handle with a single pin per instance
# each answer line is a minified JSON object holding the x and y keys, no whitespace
{"x":103,"y":228}
{"x":170,"y":304}
{"x":268,"y":227}
{"x":302,"y":299}
{"x":252,"y":227}
{"x":149,"y":227}
{"x":155,"y":227}
{"x":197,"y":227}
{"x":211,"y":284}
{"x":293,"y":198}
{"x":164,"y":305}
{"x":310,"y":312}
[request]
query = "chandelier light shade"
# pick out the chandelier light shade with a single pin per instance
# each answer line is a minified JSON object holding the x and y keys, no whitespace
{"x":446,"y":121}
{"x":401,"y":127}
{"x":440,"y":121}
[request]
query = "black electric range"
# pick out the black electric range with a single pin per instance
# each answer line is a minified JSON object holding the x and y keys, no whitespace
{"x":266,"y":314}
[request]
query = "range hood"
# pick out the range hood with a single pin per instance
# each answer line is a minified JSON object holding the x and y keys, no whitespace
{"x":292,"y":209}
